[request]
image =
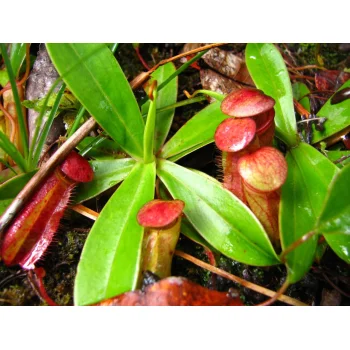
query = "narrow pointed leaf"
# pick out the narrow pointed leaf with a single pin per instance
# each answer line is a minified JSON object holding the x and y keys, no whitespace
{"x":106,"y":149}
{"x":178,"y":156}
{"x":148,"y":137}
{"x":110,"y":261}
{"x":309,"y":176}
{"x":107,"y":173}
{"x":94,"y":76}
{"x":190,"y":232}
{"x":187,"y":228}
{"x":10,"y":189}
{"x":197,"y":132}
{"x":270,"y":74}
{"x":334,"y":221}
{"x":11,"y":150}
{"x":338,"y":117}
{"x":166,"y":97}
{"x":223,"y":220}
{"x":17,"y":56}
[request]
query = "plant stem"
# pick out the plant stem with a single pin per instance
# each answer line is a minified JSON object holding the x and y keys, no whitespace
{"x":296,"y":244}
{"x":21,"y":120}
{"x":210,"y":93}
{"x":39,"y":122}
{"x":12,"y":151}
{"x":148,"y":140}
{"x":47,"y":127}
{"x":77,"y":121}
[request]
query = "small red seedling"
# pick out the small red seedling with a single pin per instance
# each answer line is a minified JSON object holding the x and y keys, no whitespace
{"x":32,"y":231}
{"x":162,"y":220}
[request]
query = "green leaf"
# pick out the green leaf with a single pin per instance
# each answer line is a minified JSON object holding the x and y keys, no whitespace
{"x":107,"y":173}
{"x":222,"y":219}
{"x":10,"y":189}
{"x":20,"y":117}
{"x":106,"y":149}
{"x":110,"y":261}
{"x":334,"y":221}
{"x":4,"y":77}
{"x":309,"y":176}
{"x":188,"y":151}
{"x":68,"y":102}
{"x":94,"y":76}
{"x":197,"y":132}
{"x":40,"y":141}
{"x":320,"y":250}
{"x":338,"y":117}
{"x":148,"y":137}
{"x":270,"y":74}
{"x":299,"y":91}
{"x":17,"y":56}
{"x":166,"y":97}
{"x":12,"y":151}
{"x":337,"y":156}
{"x":190,"y":232}
{"x":186,"y":227}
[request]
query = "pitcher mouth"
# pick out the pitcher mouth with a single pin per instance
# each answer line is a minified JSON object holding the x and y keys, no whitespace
{"x":264,"y":121}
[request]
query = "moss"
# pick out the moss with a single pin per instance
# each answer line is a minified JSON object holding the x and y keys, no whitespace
{"x":60,"y":264}
{"x":327,"y":55}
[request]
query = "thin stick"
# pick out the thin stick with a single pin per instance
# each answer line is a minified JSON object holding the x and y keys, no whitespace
{"x":334,"y":138}
{"x":341,"y":159}
{"x":188,"y":53}
{"x":334,"y":285}
{"x":280,"y":292}
{"x":36,"y":180}
{"x":311,"y":66}
{"x":139,"y":80}
{"x":89,"y":213}
{"x":244,"y":283}
{"x":309,"y":120}
{"x":298,"y":76}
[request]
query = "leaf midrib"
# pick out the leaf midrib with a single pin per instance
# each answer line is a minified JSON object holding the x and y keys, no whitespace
{"x":122,"y":227}
{"x":121,"y":120}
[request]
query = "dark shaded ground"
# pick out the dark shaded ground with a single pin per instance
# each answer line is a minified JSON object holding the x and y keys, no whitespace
{"x":327,"y":282}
